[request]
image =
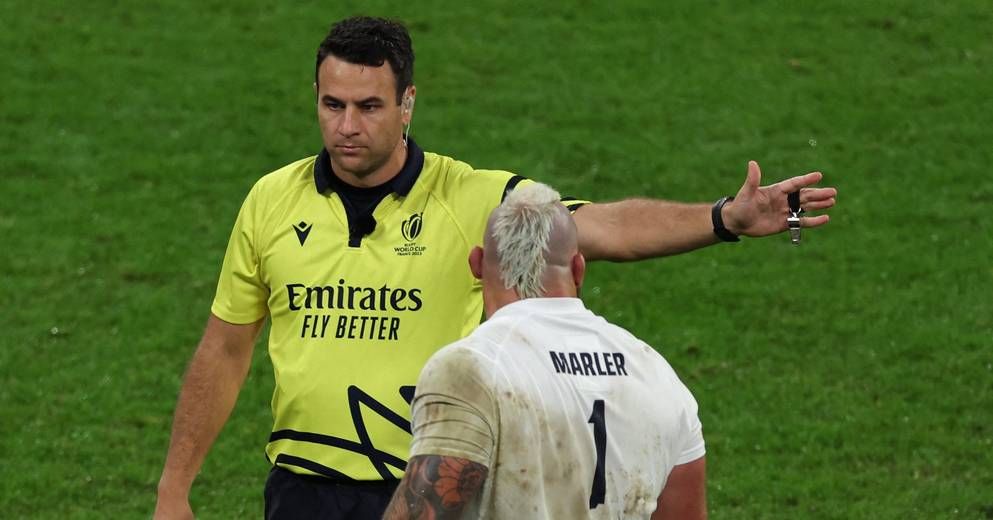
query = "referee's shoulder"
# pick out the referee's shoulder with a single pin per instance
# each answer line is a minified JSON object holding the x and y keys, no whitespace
{"x":449,"y":174}
{"x":297,"y":173}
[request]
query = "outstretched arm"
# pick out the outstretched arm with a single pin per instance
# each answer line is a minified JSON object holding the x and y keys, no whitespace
{"x":636,"y":229}
{"x":437,"y":487}
{"x":208,"y":395}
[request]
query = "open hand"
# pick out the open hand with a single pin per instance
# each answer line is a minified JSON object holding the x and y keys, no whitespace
{"x":757,"y":211}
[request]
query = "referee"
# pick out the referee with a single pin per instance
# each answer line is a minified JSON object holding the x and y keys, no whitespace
{"x":357,"y":257}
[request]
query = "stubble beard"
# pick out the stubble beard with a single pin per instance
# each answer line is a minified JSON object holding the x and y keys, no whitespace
{"x":363,"y":166}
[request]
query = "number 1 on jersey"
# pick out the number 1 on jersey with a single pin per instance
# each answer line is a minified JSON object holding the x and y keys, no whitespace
{"x":599,"y":492}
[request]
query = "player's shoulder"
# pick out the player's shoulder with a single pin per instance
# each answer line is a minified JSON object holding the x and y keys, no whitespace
{"x":468,"y":355}
{"x":494,"y":335}
{"x":633,"y":345}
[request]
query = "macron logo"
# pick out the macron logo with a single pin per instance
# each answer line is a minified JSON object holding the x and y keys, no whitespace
{"x":302,"y":229}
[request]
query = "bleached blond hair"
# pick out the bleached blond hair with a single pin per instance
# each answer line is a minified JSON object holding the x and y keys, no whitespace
{"x":520,"y":228}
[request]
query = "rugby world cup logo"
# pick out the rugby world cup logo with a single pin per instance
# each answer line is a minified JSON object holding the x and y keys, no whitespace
{"x":411,"y":227}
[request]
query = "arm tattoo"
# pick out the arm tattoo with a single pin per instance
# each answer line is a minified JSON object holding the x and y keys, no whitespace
{"x":437,"y":487}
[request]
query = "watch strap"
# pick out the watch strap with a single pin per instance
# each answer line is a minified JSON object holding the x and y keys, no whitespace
{"x":718,"y":221}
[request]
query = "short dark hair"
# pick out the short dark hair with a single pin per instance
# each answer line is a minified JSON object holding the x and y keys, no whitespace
{"x":364,"y":40}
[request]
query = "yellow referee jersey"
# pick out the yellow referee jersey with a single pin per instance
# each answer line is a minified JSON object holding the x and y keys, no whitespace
{"x":353,"y":322}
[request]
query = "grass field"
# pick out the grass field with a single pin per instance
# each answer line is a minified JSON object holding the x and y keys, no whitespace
{"x":851,"y":377}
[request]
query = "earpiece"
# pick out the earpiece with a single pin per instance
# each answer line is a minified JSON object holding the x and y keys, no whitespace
{"x":408,"y":106}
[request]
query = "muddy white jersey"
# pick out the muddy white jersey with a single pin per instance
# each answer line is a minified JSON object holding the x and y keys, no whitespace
{"x":573,"y":416}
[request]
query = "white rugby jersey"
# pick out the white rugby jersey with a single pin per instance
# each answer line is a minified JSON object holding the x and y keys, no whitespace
{"x":573,"y":416}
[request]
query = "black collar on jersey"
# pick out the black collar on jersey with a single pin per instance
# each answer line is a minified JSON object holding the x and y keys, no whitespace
{"x":401,"y":183}
{"x":359,"y":203}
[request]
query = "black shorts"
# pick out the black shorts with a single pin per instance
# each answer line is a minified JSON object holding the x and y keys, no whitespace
{"x":292,"y":496}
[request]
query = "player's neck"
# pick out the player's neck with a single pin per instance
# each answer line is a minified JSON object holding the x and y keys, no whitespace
{"x":494,"y":300}
{"x":560,"y":289}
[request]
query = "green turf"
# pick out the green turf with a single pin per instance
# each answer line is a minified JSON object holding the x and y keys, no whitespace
{"x":851,"y":377}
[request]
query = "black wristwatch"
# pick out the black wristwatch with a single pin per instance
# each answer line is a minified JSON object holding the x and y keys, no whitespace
{"x":718,"y":220}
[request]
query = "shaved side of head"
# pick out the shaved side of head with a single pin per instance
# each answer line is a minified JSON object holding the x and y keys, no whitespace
{"x":532,"y":239}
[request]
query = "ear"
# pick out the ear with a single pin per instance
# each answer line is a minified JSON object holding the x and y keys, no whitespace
{"x":476,"y":262}
{"x":315,"y":89}
{"x":407,"y":107}
{"x":578,"y":266}
{"x":409,"y":96}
